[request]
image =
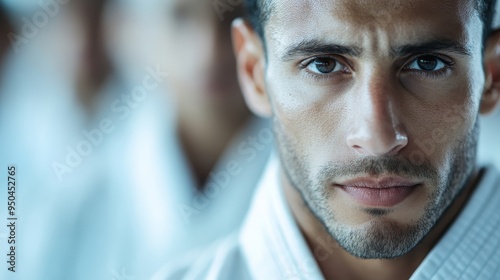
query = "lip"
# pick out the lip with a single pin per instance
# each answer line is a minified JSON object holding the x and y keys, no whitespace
{"x":379,"y":192}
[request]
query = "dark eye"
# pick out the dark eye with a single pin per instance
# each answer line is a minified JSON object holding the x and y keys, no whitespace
{"x":324,"y":66}
{"x":427,"y":63}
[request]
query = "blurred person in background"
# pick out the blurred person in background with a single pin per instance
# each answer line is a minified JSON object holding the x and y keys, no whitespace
{"x":192,"y":152}
{"x":56,"y":79}
{"x":5,"y":29}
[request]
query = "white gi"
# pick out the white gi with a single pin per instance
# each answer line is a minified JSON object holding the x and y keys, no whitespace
{"x":271,"y":246}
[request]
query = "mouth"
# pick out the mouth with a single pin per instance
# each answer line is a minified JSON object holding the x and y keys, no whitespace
{"x":383,"y":192}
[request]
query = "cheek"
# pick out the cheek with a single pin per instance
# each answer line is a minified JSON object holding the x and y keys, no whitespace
{"x":448,"y":106}
{"x":437,"y":126}
{"x":313,"y":122}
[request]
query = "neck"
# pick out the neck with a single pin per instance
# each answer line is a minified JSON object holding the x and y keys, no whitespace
{"x":336,"y":263}
{"x":205,"y":134}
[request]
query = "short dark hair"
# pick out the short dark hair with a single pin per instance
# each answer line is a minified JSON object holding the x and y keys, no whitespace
{"x":487,"y":10}
{"x":259,"y":11}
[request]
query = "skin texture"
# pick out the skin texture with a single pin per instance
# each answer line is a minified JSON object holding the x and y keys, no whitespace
{"x":378,"y":114}
{"x":190,"y":42}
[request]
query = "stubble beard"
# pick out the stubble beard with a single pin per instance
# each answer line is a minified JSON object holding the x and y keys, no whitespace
{"x":378,"y":238}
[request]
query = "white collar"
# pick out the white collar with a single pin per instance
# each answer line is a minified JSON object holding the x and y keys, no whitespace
{"x":471,"y":247}
{"x":271,"y":240}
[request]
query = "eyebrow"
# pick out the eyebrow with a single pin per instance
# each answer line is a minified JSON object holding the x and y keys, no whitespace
{"x":317,"y":47}
{"x":434,"y":45}
{"x":310,"y":47}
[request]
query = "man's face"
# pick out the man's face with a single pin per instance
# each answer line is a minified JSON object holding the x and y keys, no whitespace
{"x":375,"y":107}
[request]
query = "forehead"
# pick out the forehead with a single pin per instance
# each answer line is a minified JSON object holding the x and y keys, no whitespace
{"x":160,"y":6}
{"x":373,"y":23}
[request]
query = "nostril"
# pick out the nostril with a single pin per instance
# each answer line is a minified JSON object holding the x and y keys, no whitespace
{"x":395,"y":150}
{"x":359,"y":149}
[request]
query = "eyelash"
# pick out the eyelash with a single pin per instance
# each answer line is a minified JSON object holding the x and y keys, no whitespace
{"x":430,"y":74}
{"x":427,"y":74}
{"x":305,"y":63}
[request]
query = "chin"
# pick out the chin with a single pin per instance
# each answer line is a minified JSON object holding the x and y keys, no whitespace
{"x":380,"y":239}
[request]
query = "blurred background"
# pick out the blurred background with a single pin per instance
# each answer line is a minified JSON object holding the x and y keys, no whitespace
{"x":129,"y":133}
{"x":130,"y":137}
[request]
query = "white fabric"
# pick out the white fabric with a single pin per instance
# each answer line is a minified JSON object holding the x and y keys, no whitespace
{"x":40,"y":116}
{"x":489,"y":137}
{"x":270,"y":245}
{"x":158,"y":213}
{"x":470,"y":249}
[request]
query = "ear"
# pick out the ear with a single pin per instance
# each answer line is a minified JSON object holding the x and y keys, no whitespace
{"x":250,"y":64}
{"x":491,"y":94}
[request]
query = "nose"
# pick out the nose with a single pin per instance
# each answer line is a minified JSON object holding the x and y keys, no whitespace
{"x":376,"y":129}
